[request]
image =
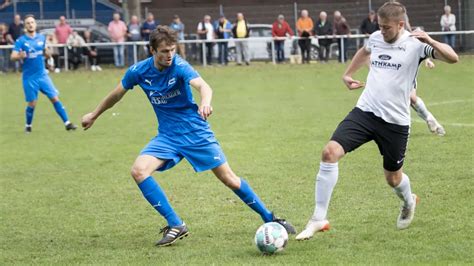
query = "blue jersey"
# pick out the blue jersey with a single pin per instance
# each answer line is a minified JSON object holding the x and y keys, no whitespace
{"x":170,"y":95}
{"x":33,"y":64}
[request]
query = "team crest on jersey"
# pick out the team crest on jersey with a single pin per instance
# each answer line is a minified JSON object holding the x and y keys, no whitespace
{"x":40,"y":43}
{"x":385,"y":57}
{"x":171,"y":81}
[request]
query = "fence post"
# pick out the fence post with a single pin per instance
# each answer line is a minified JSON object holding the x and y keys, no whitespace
{"x":203,"y":50}
{"x":273,"y":52}
{"x":134,"y":52}
{"x":66,"y":67}
{"x":343,"y":59}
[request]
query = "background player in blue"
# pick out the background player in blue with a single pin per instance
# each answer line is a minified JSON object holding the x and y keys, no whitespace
{"x":30,"y":48}
{"x":183,"y":130}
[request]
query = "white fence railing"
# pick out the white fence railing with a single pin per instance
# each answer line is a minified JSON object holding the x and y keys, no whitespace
{"x":252,"y":39}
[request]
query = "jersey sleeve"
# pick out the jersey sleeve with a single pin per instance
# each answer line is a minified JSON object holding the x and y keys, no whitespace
{"x":130,"y":79}
{"x":186,"y":71}
{"x":370,"y":42}
{"x":18,"y":45}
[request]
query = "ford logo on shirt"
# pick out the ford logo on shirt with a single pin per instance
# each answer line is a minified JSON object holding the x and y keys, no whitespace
{"x":385,"y":57}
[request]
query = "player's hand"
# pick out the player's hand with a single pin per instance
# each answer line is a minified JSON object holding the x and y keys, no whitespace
{"x":430,"y":64}
{"x":87,"y":121}
{"x":422,"y":36}
{"x":351,"y":83}
{"x":205,"y":111}
{"x":22,"y":54}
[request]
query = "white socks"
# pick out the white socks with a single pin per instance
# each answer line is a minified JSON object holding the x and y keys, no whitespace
{"x":403,"y":191}
{"x":421,"y":109}
{"x":325,"y":182}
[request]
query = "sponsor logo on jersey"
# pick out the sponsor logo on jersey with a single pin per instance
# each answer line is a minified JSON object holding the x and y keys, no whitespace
{"x":385,"y":65}
{"x":385,"y":57}
{"x":164,"y":99}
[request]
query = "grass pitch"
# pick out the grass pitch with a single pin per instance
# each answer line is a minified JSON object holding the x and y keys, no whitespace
{"x":67,"y":197}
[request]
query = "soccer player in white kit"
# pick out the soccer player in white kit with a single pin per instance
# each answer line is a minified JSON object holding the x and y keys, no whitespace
{"x":382,"y":113}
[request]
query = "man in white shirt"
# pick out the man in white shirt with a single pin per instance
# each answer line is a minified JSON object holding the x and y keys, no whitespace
{"x":205,"y":31}
{"x":448,"y":23}
{"x":382,"y":113}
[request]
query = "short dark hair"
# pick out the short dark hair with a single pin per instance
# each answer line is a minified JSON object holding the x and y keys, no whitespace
{"x":392,"y":10}
{"x":163,"y":34}
{"x":28,"y":16}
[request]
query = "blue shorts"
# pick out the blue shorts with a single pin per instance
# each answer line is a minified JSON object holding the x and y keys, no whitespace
{"x":31,"y":86}
{"x":203,"y":156}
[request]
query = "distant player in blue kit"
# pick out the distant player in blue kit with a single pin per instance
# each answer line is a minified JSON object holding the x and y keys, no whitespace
{"x":30,"y":48}
{"x":183,"y":130}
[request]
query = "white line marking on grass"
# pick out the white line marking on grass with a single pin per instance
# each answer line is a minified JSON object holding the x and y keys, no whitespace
{"x":447,"y":124}
{"x":448,"y":102}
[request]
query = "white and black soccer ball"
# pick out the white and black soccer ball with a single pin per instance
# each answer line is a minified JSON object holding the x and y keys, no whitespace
{"x":271,"y":238}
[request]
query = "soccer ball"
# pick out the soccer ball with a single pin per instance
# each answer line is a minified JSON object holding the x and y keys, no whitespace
{"x":271,"y":238}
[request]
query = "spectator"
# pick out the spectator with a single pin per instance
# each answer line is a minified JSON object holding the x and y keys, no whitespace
{"x":63,"y":30}
{"x":118,"y":31}
{"x":323,"y":28}
{"x":340,"y":27}
{"x":91,"y":51}
{"x":205,"y":30}
{"x":304,"y":26}
{"x":53,"y":61}
{"x":75,"y":43}
{"x":15,"y":30}
{"x":448,"y":23}
{"x":148,"y":26}
{"x":369,"y":25}
{"x":178,"y":26}
{"x":241,"y":31}
{"x":4,"y":54}
{"x":280,"y":31}
{"x":223,"y":29}
{"x":133,"y":35}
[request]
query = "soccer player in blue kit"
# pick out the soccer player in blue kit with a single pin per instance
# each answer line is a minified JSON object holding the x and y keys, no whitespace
{"x":183,"y":131}
{"x":30,"y":48}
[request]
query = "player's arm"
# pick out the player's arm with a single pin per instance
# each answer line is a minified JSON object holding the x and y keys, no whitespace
{"x":107,"y":103}
{"x":205,"y":108}
{"x":18,"y":55}
{"x":442,"y":51}
{"x":360,"y":59}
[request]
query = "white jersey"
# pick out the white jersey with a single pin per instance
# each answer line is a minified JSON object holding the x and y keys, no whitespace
{"x":393,"y":70}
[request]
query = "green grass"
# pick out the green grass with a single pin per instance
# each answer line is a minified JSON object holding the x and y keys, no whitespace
{"x":69,"y":198}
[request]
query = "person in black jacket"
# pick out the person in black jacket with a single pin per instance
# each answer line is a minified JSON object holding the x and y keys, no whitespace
{"x":323,"y":28}
{"x":369,"y":25}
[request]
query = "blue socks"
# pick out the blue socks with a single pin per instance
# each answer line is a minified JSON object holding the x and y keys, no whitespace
{"x":58,"y":106}
{"x":157,"y":198}
{"x":247,"y":195}
{"x":29,"y":115}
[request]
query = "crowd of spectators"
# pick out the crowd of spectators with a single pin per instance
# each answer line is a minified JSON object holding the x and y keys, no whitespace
{"x":213,"y":32}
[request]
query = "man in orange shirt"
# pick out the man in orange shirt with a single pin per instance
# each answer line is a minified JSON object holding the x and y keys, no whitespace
{"x":304,"y":26}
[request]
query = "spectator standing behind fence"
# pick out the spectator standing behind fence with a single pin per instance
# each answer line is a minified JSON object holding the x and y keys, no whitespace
{"x":4,"y":54}
{"x":91,"y":51}
{"x":448,"y":23}
{"x":341,"y":27}
{"x":75,"y":43}
{"x":205,"y":31}
{"x":369,"y":25}
{"x":53,"y":60}
{"x":178,"y":26}
{"x":241,"y":31}
{"x":118,"y":31}
{"x":280,"y":31}
{"x":133,"y":35}
{"x":223,"y":29}
{"x":304,"y":26}
{"x":148,"y":26}
{"x":62,"y":32}
{"x":15,"y":30}
{"x":323,"y":28}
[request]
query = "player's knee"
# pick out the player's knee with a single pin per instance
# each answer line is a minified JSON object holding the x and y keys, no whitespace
{"x":139,"y":173}
{"x":32,"y":104}
{"x":330,"y":154}
{"x":393,"y":178}
{"x":230,"y":180}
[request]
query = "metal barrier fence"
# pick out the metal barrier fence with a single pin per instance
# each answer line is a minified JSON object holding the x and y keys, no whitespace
{"x":266,"y":40}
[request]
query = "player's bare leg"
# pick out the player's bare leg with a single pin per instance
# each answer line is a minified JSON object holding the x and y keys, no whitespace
{"x":141,"y":172}
{"x":242,"y":189}
{"x":419,"y":106}
{"x":400,"y":183}
{"x":325,"y":182}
